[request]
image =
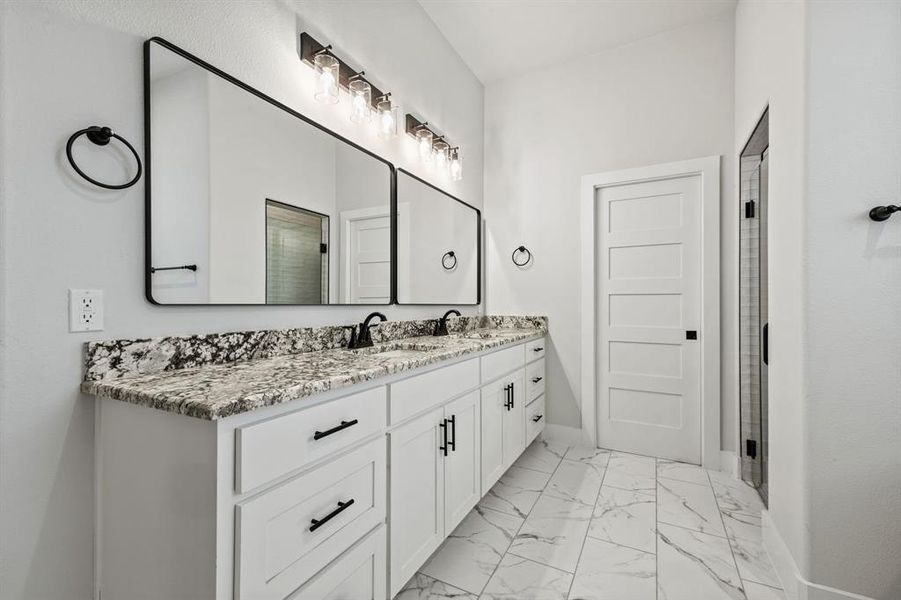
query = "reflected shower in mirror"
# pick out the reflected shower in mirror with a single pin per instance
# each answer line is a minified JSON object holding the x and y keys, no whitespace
{"x":269,"y":207}
{"x":438,"y":245}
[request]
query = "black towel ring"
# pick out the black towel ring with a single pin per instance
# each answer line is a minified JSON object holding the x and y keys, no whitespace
{"x":444,"y":261}
{"x":101,"y":136}
{"x":528,"y":259}
{"x":882,"y":213}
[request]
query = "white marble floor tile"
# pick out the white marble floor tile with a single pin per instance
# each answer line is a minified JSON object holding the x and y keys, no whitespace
{"x":520,"y":579}
{"x":747,"y":546}
{"x":755,"y":591}
{"x":542,"y":455}
{"x":595,"y":456}
{"x":734,"y":495}
{"x":610,"y":572}
{"x":625,"y":518}
{"x":688,"y":505}
{"x":469,"y":555}
{"x":423,"y":587}
{"x":631,"y":472}
{"x":576,"y":481}
{"x":682,"y":472}
{"x":695,"y":566}
{"x":553,"y":533}
{"x":516,"y":491}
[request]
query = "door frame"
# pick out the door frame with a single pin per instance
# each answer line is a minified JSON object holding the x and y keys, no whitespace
{"x":708,"y":169}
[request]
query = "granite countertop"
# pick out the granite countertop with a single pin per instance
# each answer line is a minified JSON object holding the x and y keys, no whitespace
{"x":216,"y":391}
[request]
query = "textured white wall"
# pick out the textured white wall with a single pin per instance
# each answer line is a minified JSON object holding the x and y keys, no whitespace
{"x":68,"y":64}
{"x":770,"y":68}
{"x":661,"y":99}
{"x":852,"y":362}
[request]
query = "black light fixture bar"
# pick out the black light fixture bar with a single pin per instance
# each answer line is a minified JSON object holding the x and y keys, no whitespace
{"x":412,"y":125}
{"x":309,"y":48}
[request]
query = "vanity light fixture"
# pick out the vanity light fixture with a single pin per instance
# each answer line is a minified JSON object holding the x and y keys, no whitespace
{"x":360,"y":98}
{"x":387,"y":117}
{"x":327,"y":77}
{"x":424,"y":143}
{"x":440,"y":151}
{"x":456,"y":166}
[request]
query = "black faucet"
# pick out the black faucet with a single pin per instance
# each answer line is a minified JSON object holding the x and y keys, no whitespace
{"x":364,"y":338}
{"x":441,"y":325}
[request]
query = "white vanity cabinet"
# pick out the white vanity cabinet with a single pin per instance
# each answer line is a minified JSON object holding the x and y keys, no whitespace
{"x":341,"y":495}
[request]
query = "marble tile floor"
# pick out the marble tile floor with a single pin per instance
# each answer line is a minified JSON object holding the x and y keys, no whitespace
{"x":592,"y":524}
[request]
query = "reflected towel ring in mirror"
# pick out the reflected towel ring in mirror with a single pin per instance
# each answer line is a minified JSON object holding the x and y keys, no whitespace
{"x":521,"y":250}
{"x":101,"y":136}
{"x":446,"y":261}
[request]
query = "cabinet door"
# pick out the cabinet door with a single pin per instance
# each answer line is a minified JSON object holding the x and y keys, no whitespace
{"x":359,"y":573}
{"x":494,"y":396}
{"x":417,"y":494}
{"x":462,"y":467}
{"x":515,"y":420}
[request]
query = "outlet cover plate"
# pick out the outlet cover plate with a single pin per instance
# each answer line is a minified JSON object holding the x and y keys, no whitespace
{"x":85,"y":310}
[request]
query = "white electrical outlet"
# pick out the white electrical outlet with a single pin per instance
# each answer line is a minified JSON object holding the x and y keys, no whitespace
{"x":85,"y":310}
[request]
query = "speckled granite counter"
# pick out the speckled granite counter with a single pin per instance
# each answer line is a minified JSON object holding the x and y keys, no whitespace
{"x":215,"y":376}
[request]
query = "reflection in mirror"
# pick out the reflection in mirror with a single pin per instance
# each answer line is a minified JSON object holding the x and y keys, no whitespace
{"x":438,"y":239}
{"x":270,"y":208}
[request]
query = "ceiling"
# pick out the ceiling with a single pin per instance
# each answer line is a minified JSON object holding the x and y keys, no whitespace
{"x":502,"y":38}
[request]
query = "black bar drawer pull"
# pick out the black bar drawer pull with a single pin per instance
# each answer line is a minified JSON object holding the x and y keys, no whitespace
{"x":766,"y":343}
{"x":344,"y":425}
{"x":443,"y":426}
{"x":512,"y":395}
{"x":537,"y":379}
{"x":507,"y":401}
{"x":539,"y":349}
{"x":452,"y":444}
{"x":537,"y":418}
{"x":317,"y":523}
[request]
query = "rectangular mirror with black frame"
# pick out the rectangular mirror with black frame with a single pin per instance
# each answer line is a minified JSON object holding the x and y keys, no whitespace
{"x":438,"y":245}
{"x":249,"y":202}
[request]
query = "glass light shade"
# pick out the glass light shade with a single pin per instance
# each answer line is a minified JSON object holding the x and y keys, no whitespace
{"x":424,"y":144}
{"x":440,"y":151}
{"x":456,"y":166}
{"x":360,"y":101}
{"x":326,"y":67}
{"x":387,"y":119}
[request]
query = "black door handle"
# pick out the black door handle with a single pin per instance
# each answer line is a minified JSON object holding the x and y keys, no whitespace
{"x":344,"y":425}
{"x":317,"y":523}
{"x":537,"y":379}
{"x":537,"y":418}
{"x":443,"y":426}
{"x":766,"y":343}
{"x":453,"y":436}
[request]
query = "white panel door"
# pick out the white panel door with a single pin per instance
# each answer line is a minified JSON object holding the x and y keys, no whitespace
{"x":417,"y":495}
{"x":462,"y":472}
{"x":649,"y":292}
{"x":369,"y":260}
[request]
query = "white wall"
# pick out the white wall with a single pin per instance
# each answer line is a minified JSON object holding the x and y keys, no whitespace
{"x":770,"y":68}
{"x":852,"y":363}
{"x":72,"y":63}
{"x":661,"y":99}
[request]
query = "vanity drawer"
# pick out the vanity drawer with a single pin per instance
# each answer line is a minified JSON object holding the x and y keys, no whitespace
{"x":272,"y":448}
{"x":419,"y":393}
{"x":289,"y":533}
{"x":502,"y":362}
{"x":535,"y":350}
{"x":535,"y":419}
{"x":360,"y":573}
{"x":534,"y":380}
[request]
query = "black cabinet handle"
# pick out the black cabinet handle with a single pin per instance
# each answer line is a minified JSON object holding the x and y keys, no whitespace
{"x":537,"y":418}
{"x":766,"y":343}
{"x":537,"y":379}
{"x":453,"y":436}
{"x":540,"y":349}
{"x":443,"y":426}
{"x":317,"y":523}
{"x":344,"y":425}
{"x":512,"y":395}
{"x":507,"y":396}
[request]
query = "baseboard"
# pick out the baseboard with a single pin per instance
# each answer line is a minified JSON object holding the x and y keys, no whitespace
{"x":571,"y":436}
{"x":730,"y":463}
{"x":794,"y":585}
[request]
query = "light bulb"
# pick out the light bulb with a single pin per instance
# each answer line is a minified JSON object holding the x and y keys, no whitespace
{"x":387,"y":123}
{"x":326,"y":90}
{"x":440,"y":150}
{"x":424,"y":143}
{"x":456,"y":167}
{"x":361,"y":98}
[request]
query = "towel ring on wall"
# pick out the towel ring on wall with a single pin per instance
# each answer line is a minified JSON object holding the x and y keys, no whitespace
{"x":101,"y":136}
{"x":521,"y":250}
{"x":882,"y":213}
{"x":449,"y":266}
